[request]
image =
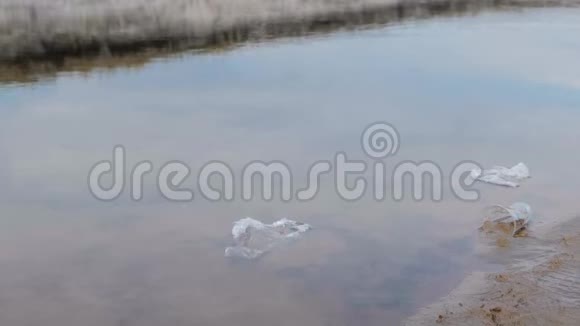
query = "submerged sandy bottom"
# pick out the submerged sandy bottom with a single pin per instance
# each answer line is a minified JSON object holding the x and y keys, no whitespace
{"x":540,"y":286}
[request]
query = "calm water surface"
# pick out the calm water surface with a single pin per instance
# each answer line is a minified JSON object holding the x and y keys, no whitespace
{"x":498,"y":88}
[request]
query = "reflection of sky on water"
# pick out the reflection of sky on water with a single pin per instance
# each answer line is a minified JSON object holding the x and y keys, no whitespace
{"x":461,"y":83}
{"x":498,"y":89}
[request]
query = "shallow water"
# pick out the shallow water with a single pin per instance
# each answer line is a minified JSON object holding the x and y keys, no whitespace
{"x":537,"y":284}
{"x":497,"y":88}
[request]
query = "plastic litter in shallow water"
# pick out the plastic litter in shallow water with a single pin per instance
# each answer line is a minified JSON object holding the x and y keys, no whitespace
{"x":517,"y":214}
{"x":499,"y":175}
{"x":254,"y":238}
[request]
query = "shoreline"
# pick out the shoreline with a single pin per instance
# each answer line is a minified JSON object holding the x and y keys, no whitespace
{"x":38,"y":66}
{"x":538,"y":287}
{"x":47,"y":30}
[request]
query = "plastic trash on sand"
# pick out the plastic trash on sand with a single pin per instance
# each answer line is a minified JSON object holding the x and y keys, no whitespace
{"x":499,"y":175}
{"x":516,"y":217}
{"x":254,"y":238}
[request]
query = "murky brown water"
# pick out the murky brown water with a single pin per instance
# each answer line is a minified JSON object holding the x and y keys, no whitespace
{"x":498,"y":88}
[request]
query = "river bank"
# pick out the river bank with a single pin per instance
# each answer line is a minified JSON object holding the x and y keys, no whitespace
{"x":30,"y":54}
{"x":33,"y":29}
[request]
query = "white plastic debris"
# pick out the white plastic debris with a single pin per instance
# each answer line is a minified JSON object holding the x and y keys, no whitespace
{"x":499,"y":175}
{"x":254,"y":238}
{"x":519,"y":214}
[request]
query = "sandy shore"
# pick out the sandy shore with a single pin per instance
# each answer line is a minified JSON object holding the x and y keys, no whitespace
{"x":539,"y":286}
{"x":42,"y":28}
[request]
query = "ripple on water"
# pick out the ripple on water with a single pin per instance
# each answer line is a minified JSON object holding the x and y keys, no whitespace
{"x":540,"y":287}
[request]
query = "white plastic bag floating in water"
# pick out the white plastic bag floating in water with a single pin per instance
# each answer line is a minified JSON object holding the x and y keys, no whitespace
{"x":518,"y":214}
{"x":503,"y":176}
{"x":254,"y":238}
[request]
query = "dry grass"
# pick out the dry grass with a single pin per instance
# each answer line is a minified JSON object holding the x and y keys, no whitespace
{"x":54,"y":31}
{"x":30,"y":55}
{"x":36,"y":28}
{"x":41,"y":26}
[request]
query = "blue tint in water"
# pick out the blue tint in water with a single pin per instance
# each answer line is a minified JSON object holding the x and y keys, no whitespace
{"x":499,"y":88}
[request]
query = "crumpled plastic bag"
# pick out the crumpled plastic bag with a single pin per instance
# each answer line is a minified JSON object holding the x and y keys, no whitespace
{"x":499,"y":175}
{"x":254,"y":238}
{"x":517,"y":216}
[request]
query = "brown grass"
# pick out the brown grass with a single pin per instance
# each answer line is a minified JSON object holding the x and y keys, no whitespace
{"x":39,"y":28}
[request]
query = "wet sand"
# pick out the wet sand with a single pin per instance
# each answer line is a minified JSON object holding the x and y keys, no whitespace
{"x":539,"y":286}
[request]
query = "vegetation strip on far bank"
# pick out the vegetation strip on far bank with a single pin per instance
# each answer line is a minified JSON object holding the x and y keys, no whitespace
{"x":32,"y":29}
